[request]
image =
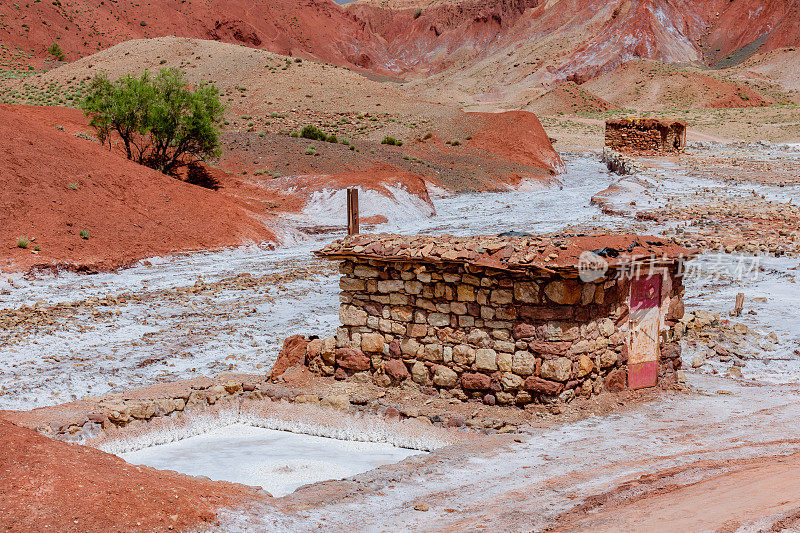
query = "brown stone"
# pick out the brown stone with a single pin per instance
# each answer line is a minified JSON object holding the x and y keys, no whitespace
{"x":554,"y":348}
{"x":617,"y":380}
{"x":563,"y":292}
{"x":524,"y":331}
{"x":352,"y":359}
{"x":585,"y":366}
{"x":445,"y":377}
{"x":526,"y":292}
{"x":542,"y":386}
{"x":395,"y":369}
{"x":557,"y":369}
{"x":550,"y":312}
{"x":372,"y":343}
{"x":292,"y":354}
{"x":475,"y":381}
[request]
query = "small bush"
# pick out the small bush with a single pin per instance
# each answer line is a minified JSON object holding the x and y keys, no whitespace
{"x":23,"y":242}
{"x":417,"y":13}
{"x":391,"y":141}
{"x":55,"y":51}
{"x":294,"y":134}
{"x":142,"y":23}
{"x":84,"y":234}
{"x":73,"y":186}
{"x":310,"y":151}
{"x":332,"y":139}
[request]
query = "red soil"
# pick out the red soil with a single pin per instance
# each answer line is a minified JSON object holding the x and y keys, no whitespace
{"x":50,"y":484}
{"x":53,"y":185}
{"x":318,"y":28}
{"x":514,"y":135}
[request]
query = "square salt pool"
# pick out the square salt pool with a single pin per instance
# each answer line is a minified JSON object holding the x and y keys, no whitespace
{"x":278,"y":461}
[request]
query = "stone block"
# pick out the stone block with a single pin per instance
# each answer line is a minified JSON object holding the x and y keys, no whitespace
{"x":502,"y":297}
{"x":439,"y":319}
{"x":445,"y":377}
{"x":352,"y":316}
{"x":526,"y":292}
{"x":542,"y":386}
{"x":372,"y":342}
{"x":504,"y":361}
{"x":474,"y":381}
{"x":463,"y":355}
{"x":466,"y":293}
{"x":352,"y":359}
{"x":563,"y":292}
{"x":420,"y":374}
{"x":523,"y":363}
{"x":557,"y":369}
{"x":511,"y":381}
{"x":486,"y":359}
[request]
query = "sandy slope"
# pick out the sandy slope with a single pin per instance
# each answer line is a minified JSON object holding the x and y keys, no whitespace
{"x":55,"y":185}
{"x":105,"y":493}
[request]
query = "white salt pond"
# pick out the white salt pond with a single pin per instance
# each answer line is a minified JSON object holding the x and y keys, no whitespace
{"x":278,"y":461}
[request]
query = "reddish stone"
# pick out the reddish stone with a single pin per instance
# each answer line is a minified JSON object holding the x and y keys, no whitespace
{"x":673,"y":351}
{"x":456,"y":422}
{"x":617,"y":380}
{"x":475,"y":381}
{"x":544,"y":347}
{"x":473,"y":309}
{"x":524,"y":331}
{"x":352,"y":359}
{"x":292,"y":354}
{"x":623,"y":355}
{"x":391,"y":412}
{"x":542,"y":386}
{"x":489,"y":399}
{"x":340,"y":374}
{"x":373,"y":308}
{"x":395,"y":369}
{"x":551,"y":312}
{"x":495,"y":383}
{"x":394,"y":348}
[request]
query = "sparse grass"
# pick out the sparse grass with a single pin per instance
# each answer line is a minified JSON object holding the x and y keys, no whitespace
{"x":84,"y":234}
{"x":23,"y":242}
{"x":391,"y":141}
{"x":73,"y":186}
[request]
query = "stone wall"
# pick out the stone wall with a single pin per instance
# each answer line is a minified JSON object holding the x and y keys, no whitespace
{"x":647,"y":136}
{"x":484,"y":333}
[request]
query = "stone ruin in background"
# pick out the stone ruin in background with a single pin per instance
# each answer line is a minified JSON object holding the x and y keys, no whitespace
{"x":646,"y":136}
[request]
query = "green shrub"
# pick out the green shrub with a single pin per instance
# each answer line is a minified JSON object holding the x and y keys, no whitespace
{"x":391,"y":141}
{"x":161,"y":121}
{"x":417,"y":13}
{"x":23,"y":242}
{"x":55,"y":51}
{"x":84,"y":234}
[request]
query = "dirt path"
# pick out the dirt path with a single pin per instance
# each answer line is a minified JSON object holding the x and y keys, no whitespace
{"x":651,"y":462}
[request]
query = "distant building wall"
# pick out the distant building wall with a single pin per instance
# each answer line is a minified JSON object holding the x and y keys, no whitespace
{"x":646,"y":136}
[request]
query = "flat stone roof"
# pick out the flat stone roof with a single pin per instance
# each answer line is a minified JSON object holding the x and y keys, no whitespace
{"x":508,"y":252}
{"x":645,"y":123}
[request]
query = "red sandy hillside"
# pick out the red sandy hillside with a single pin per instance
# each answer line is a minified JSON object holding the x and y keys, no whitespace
{"x":517,"y":136}
{"x":53,"y":185}
{"x":73,"y":488}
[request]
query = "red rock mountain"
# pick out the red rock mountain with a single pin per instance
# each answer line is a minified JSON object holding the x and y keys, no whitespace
{"x":576,"y":39}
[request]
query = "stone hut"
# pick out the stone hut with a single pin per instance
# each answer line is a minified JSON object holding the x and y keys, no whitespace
{"x":646,"y":135}
{"x":510,"y":320}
